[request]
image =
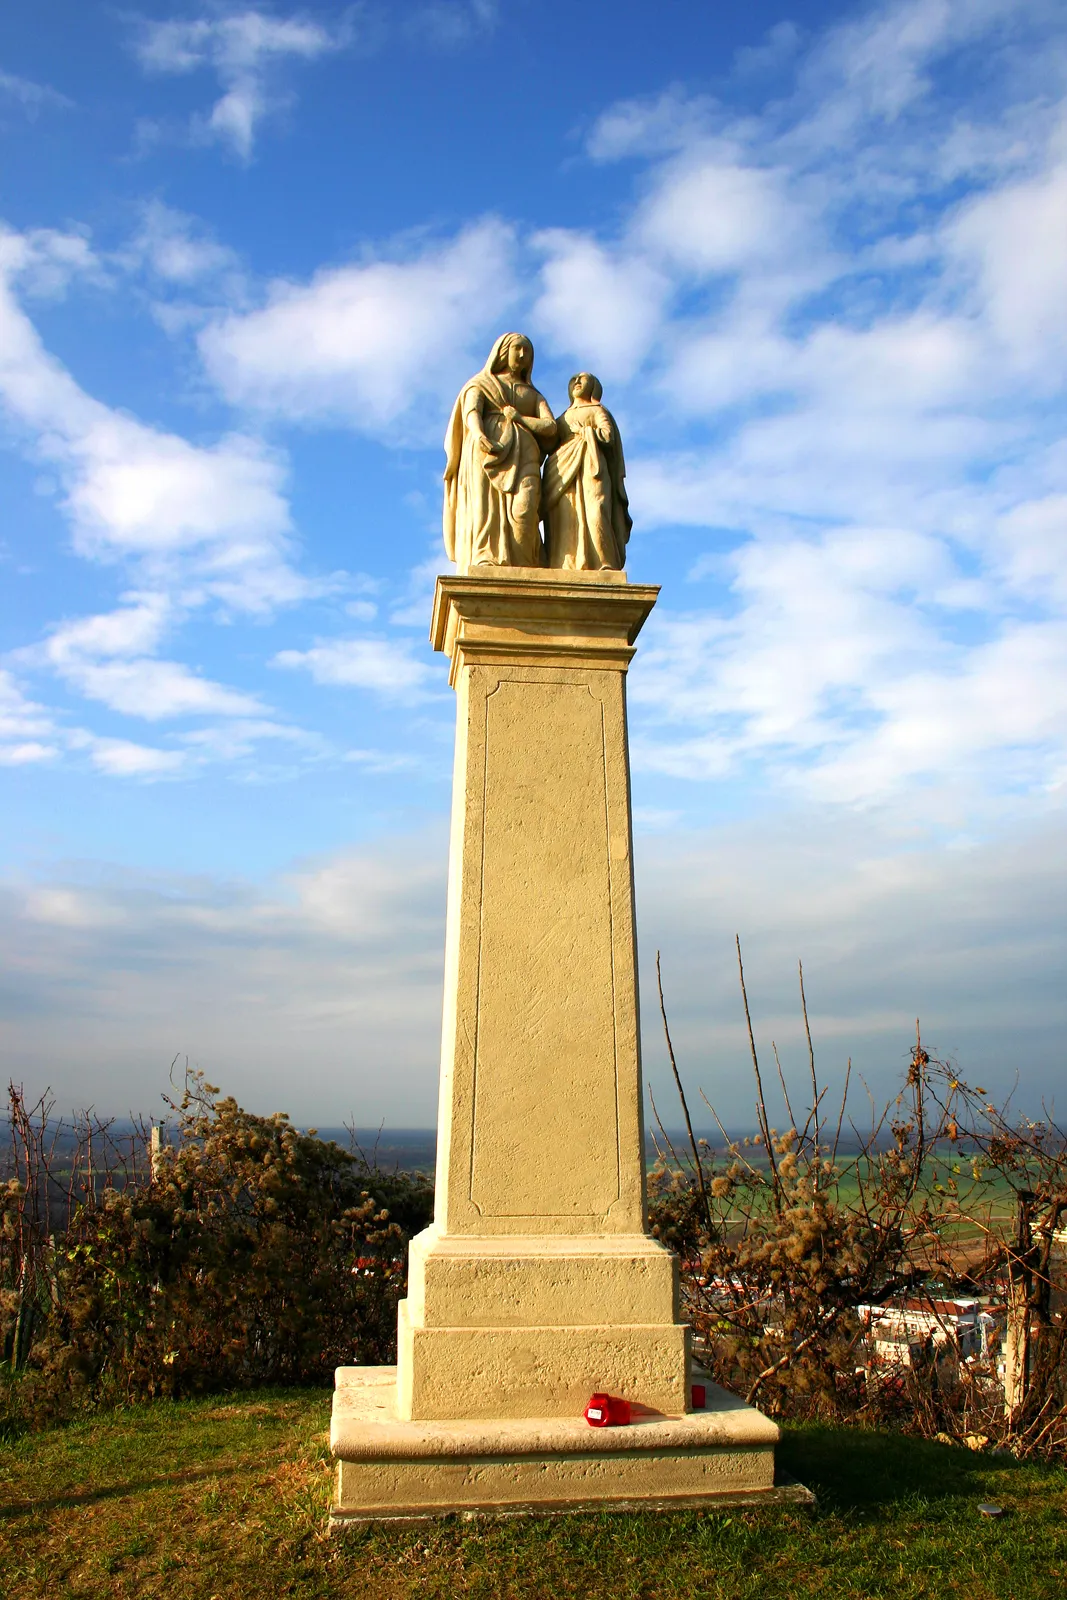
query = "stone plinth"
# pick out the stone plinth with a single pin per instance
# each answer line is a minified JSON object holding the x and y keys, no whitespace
{"x":538,"y":1282}
{"x":390,"y":1468}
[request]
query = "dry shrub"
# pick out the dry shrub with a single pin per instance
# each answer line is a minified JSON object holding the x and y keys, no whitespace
{"x":244,"y":1252}
{"x":782,"y":1237}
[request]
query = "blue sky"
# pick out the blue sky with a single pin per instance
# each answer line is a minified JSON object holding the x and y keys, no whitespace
{"x":815,"y":252}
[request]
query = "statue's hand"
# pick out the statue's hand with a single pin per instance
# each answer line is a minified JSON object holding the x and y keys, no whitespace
{"x":509,"y":414}
{"x":488,"y":445}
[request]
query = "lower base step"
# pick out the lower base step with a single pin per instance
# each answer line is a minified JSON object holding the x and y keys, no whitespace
{"x":392,"y":1470}
{"x":779,"y":1495}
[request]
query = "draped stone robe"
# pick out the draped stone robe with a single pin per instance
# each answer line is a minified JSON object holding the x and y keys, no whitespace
{"x":583,"y":497}
{"x":492,"y":501}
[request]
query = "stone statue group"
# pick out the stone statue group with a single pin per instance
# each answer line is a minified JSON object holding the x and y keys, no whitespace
{"x":512,"y":467}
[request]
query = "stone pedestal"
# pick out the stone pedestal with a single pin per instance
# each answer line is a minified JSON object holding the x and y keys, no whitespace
{"x":537,"y":1283}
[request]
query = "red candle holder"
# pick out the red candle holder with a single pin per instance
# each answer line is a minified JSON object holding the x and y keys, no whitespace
{"x":607,"y":1411}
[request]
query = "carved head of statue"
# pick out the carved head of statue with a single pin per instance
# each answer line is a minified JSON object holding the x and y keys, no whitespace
{"x":513,"y":353}
{"x":583,"y":386}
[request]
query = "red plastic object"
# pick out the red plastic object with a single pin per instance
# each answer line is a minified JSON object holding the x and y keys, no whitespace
{"x":606,"y":1411}
{"x":700,"y":1397}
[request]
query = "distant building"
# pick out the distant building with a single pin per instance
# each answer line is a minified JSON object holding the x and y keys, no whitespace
{"x":899,"y":1333}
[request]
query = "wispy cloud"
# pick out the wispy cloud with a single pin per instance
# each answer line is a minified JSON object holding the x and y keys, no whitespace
{"x":123,"y":758}
{"x":193,"y":525}
{"x":206,"y":517}
{"x":851,"y":395}
{"x":32,"y":97}
{"x":178,"y":249}
{"x":27,"y":731}
{"x":336,"y":965}
{"x":837,"y":335}
{"x":245,"y":49}
{"x":386,"y":666}
{"x":450,"y":23}
{"x":891,"y":919}
{"x":608,"y":303}
{"x":370,"y":342}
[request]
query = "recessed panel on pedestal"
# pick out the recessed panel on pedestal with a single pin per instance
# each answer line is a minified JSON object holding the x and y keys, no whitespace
{"x":546,"y":1140}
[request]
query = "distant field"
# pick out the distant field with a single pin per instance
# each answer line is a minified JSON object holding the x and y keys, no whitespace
{"x":226,"y":1499}
{"x":989,"y":1204}
{"x":414,"y":1150}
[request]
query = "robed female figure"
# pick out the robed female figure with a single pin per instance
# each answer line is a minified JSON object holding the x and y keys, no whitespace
{"x":497,"y":436}
{"x":583,"y":497}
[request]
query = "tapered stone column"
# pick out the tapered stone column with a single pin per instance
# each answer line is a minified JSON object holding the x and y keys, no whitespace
{"x":538,"y":1282}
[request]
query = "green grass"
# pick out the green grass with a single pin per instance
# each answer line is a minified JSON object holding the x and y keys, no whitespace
{"x":228,"y":1499}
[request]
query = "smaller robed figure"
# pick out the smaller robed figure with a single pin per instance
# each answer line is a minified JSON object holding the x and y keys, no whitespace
{"x":499,"y":431}
{"x":583,"y":496}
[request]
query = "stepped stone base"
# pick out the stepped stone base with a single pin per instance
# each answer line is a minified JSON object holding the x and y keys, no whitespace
{"x":391,"y":1469}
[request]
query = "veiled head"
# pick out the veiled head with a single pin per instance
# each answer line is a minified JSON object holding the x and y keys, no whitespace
{"x":513,"y":353}
{"x":583,"y":386}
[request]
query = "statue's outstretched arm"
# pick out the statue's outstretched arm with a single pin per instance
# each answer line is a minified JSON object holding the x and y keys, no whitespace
{"x":472,"y":421}
{"x":543,"y":426}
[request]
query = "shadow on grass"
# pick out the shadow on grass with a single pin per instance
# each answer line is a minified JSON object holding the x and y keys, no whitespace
{"x":856,"y":1469}
{"x":112,"y":1491}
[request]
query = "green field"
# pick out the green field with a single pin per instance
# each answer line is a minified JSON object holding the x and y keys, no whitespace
{"x":985,"y":1206}
{"x":227,"y":1499}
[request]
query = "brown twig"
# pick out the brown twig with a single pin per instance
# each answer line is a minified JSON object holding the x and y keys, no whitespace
{"x":698,"y":1166}
{"x":761,"y":1103}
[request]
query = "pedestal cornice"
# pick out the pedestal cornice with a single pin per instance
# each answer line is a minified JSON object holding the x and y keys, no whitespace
{"x":527,"y":615}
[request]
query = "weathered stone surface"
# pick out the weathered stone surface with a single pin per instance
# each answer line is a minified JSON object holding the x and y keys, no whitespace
{"x":583,"y":489}
{"x":389,"y":1467}
{"x":537,"y":1283}
{"x":514,"y":1280}
{"x":538,"y":1370}
{"x":540,"y":1127}
{"x":497,"y":436}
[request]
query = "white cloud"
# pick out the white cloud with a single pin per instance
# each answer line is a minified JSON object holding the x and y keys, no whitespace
{"x":338,"y":965}
{"x":120,"y":758}
{"x":44,"y":260}
{"x":859,"y":397}
{"x":379,"y":760}
{"x":135,"y":629}
{"x":244,"y":49}
{"x":178,"y":249}
{"x":712,"y":212}
{"x":892,"y":920}
{"x":779,"y":47}
{"x":27,"y":732}
{"x":33,"y":97}
{"x":109,"y":658}
{"x":1007,"y":702}
{"x":1030,"y":548}
{"x":134,"y":685}
{"x":1015,"y":241}
{"x":604,"y":308}
{"x":157,"y":689}
{"x":649,"y":127}
{"x":379,"y":664}
{"x":449,"y":23}
{"x":25,"y":754}
{"x":370,"y":342}
{"x":239,"y":738}
{"x":879,"y":64}
{"x":210,"y":515}
{"x":791,"y":670}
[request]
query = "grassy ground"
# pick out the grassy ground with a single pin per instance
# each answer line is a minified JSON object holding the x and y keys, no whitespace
{"x":228,"y":1500}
